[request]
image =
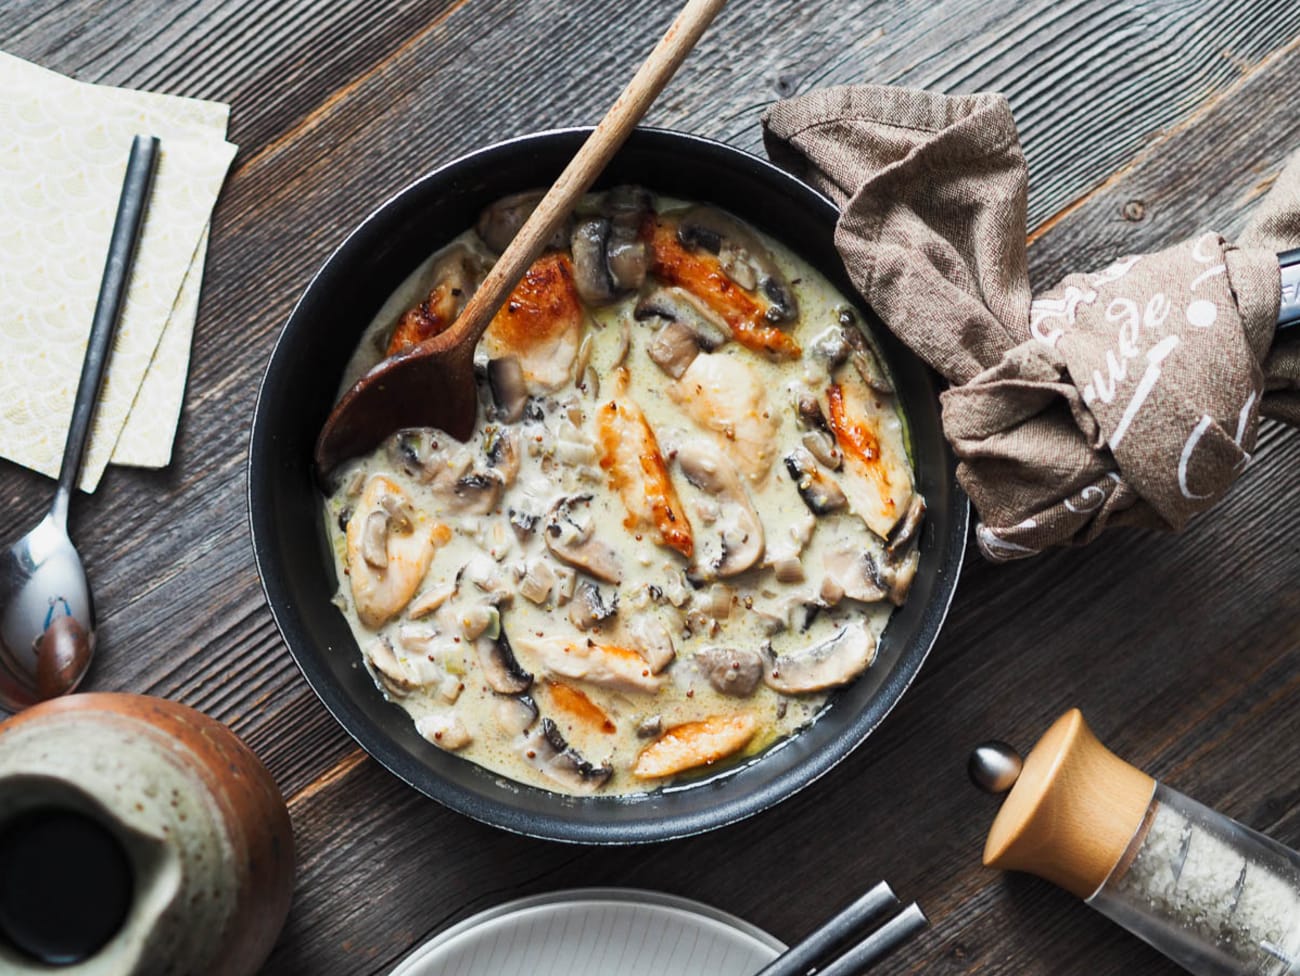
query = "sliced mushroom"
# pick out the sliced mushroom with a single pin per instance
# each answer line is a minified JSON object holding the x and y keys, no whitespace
{"x":731,"y":670}
{"x":742,"y":256}
{"x":605,"y":665}
{"x":590,"y":269}
{"x":820,"y":493}
{"x":501,"y":669}
{"x":548,"y":750}
{"x":589,"y":609}
{"x":509,"y":391}
{"x":374,"y":540}
{"x":479,"y":492}
{"x":673,"y":349}
{"x":516,"y":713}
{"x":740,"y":538}
{"x":626,"y":253}
{"x":678,"y":305}
{"x":908,"y":527}
{"x":652,"y":641}
{"x":898,"y":574}
{"x":573,"y":543}
{"x":852,"y":569}
{"x":499,"y":223}
{"x":834,"y":662}
{"x":385,"y":666}
{"x":501,"y":445}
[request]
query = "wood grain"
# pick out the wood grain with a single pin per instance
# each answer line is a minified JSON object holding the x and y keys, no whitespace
{"x":1179,"y":650}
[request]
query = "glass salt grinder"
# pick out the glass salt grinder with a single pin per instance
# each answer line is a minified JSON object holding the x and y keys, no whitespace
{"x":1216,"y":897}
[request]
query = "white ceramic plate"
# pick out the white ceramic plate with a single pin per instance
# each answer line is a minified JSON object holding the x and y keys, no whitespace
{"x":596,"y":932}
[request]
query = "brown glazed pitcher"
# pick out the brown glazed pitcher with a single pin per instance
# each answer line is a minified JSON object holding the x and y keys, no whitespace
{"x":137,"y":837}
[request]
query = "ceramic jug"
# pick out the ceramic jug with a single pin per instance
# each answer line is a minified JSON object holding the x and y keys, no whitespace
{"x":137,"y":836}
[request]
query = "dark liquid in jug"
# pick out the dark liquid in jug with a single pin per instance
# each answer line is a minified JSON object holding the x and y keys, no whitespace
{"x":65,"y":885}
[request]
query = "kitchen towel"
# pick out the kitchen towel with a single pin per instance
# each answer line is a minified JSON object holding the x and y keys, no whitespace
{"x":1127,"y":396}
{"x":64,"y":146}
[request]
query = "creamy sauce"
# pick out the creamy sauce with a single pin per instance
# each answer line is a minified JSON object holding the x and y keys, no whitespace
{"x":601,"y":531}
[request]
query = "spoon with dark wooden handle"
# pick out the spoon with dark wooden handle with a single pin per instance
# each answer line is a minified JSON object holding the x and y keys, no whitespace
{"x":432,"y":384}
{"x":47,"y":618}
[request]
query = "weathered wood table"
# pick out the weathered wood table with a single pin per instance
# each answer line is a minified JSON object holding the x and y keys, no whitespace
{"x":1143,"y":122}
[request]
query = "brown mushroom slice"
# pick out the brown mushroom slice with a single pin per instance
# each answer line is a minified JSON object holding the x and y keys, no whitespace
{"x":501,"y":446}
{"x":589,"y":609}
{"x":499,"y":223}
{"x":695,"y":744}
{"x":877,"y":474}
{"x":548,"y":750}
{"x":388,"y":669}
{"x":509,"y":391}
{"x":382,"y":584}
{"x":603,"y":665}
{"x":540,"y":325}
{"x":739,"y":542}
{"x":450,"y":283}
{"x":632,"y":459}
{"x":680,"y":306}
{"x":478,"y":493}
{"x":848,"y":343}
{"x":835,"y":661}
{"x":573,"y":542}
{"x":855,"y":574}
{"x":734,"y":671}
{"x":742,"y":256}
{"x":609,"y":258}
{"x":673,"y":349}
{"x":820,"y":493}
{"x":516,"y":714}
{"x":725,"y":397}
{"x":908,"y":528}
{"x":501,"y":669}
{"x":898,"y":573}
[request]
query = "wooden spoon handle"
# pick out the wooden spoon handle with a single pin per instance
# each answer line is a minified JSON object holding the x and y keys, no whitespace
{"x":596,"y":152}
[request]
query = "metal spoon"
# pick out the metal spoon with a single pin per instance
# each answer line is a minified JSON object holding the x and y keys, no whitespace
{"x":433,"y":385}
{"x":47,"y":619}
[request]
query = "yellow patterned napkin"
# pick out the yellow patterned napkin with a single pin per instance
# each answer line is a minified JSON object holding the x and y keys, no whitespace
{"x":63,"y":151}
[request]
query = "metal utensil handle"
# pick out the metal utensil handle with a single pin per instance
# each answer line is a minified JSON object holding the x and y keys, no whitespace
{"x":845,"y":925}
{"x":879,"y":943}
{"x":1288,"y":313}
{"x":112,"y":290}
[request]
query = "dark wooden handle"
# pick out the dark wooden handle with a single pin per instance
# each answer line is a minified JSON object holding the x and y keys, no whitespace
{"x":131,"y":206}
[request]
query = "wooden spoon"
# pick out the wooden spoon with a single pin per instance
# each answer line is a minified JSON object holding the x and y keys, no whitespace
{"x":432,"y":384}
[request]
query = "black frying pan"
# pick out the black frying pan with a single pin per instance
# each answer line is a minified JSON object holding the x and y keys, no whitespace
{"x":286,"y":509}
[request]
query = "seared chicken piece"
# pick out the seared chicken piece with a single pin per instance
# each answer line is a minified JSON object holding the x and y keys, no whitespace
{"x":723,"y":396}
{"x":540,"y":325}
{"x":695,"y":744}
{"x":605,"y":665}
{"x":390,"y":546}
{"x":877,"y":477}
{"x":701,"y":274}
{"x":631,"y":456}
{"x":453,"y":279}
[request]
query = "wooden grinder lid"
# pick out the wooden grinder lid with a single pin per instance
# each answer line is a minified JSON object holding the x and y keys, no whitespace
{"x":1072,"y":812}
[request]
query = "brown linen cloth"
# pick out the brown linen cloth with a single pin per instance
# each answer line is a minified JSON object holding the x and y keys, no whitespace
{"x":1129,"y":396}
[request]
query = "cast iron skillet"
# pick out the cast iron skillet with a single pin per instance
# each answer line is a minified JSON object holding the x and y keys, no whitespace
{"x":286,"y":509}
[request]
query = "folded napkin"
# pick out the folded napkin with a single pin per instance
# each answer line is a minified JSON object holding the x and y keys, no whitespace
{"x":1128,"y":396}
{"x":63,"y":152}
